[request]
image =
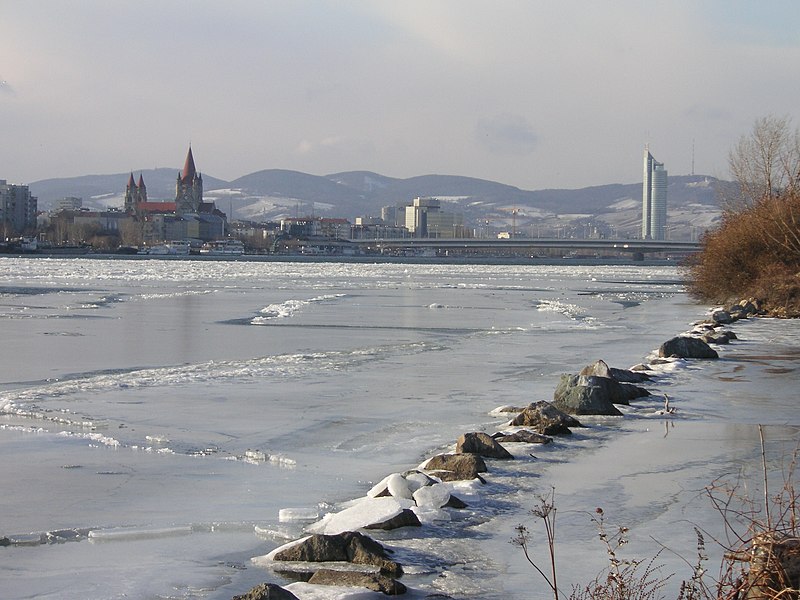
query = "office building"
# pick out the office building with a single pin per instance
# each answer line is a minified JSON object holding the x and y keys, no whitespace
{"x":654,"y":199}
{"x":17,"y":209}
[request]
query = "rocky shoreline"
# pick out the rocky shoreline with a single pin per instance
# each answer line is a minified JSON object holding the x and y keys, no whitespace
{"x":336,"y":552}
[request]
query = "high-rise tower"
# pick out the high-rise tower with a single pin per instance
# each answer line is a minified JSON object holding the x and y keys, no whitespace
{"x":654,"y":199}
{"x":188,"y":188}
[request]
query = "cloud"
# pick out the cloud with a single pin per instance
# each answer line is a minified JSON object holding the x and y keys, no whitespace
{"x":334,"y":142}
{"x":334,"y":153}
{"x":703,"y":112}
{"x":506,"y":134}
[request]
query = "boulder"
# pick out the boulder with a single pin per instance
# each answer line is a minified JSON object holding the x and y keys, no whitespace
{"x":661,"y":361}
{"x":722,"y":317}
{"x":687,"y":347}
{"x":360,"y":514}
{"x":599,"y":368}
{"x":581,"y":395}
{"x":614,"y":391}
{"x":349,"y":546}
{"x":624,"y":377}
{"x":481,"y":444}
{"x":455,"y":502}
{"x":546,"y":419}
{"x":750,"y":307}
{"x":629,"y":375}
{"x":737,"y":312}
{"x":456,"y":467}
{"x":718,"y":337}
{"x":525,"y":436}
{"x":371,"y":581}
{"x":406,"y":518}
{"x":267,"y":591}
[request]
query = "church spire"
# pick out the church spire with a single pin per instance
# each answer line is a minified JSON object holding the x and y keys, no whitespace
{"x":188,"y":188}
{"x":189,"y":170}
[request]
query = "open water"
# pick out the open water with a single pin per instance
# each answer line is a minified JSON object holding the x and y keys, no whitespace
{"x":156,"y":415}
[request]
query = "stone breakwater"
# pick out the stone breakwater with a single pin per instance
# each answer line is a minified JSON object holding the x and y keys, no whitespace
{"x":336,"y":552}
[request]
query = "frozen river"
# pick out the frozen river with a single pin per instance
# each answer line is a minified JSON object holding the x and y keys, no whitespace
{"x":156,"y":415}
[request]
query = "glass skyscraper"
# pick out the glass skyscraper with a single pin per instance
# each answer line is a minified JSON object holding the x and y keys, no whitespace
{"x":654,"y":199}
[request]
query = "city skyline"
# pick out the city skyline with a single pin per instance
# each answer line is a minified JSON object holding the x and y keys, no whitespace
{"x":505,"y":92}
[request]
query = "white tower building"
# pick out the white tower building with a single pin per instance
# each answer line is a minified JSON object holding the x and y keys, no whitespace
{"x":654,"y":199}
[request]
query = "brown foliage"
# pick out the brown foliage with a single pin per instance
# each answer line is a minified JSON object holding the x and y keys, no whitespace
{"x":755,"y":252}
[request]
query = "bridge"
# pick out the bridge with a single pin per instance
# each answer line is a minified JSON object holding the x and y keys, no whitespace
{"x":632,"y":246}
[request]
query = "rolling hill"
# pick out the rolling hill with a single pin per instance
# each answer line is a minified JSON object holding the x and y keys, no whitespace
{"x":272,"y":194}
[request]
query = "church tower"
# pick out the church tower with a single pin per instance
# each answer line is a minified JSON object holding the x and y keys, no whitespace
{"x":134,"y":194}
{"x":188,"y":188}
{"x":141,"y":190}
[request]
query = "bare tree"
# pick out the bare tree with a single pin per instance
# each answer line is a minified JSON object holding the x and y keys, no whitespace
{"x":765,"y":163}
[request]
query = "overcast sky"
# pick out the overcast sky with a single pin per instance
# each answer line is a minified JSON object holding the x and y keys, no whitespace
{"x":528,"y":93}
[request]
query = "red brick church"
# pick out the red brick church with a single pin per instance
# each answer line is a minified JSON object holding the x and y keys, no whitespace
{"x":188,"y":217}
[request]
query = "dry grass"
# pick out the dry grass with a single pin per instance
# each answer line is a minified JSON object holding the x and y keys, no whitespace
{"x":754,"y":253}
{"x":761,"y":543}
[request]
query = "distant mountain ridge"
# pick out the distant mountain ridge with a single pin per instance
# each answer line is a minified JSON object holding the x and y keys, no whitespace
{"x":272,"y":194}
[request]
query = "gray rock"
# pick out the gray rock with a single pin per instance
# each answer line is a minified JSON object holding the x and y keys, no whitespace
{"x":599,"y":368}
{"x":456,"y":467}
{"x":687,"y":347}
{"x":371,"y":581}
{"x":625,"y":392}
{"x":581,"y":395}
{"x":482,"y":444}
{"x":546,"y":419}
{"x":750,"y":307}
{"x":737,"y":312}
{"x":267,"y":591}
{"x":406,"y":518}
{"x":455,"y":502}
{"x":349,"y":546}
{"x":713,"y":337}
{"x":525,"y":436}
{"x":722,"y":317}
{"x":629,"y":375}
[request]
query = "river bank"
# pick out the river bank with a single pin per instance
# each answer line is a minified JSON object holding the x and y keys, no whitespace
{"x":580,"y":459}
{"x":174,"y":406}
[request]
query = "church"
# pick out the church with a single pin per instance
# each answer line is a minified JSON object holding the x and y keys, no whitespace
{"x":187,"y":217}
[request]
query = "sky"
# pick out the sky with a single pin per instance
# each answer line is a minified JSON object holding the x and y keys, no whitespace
{"x":559,"y":94}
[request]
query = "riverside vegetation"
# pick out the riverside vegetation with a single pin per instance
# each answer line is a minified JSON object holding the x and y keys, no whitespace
{"x":755,"y":251}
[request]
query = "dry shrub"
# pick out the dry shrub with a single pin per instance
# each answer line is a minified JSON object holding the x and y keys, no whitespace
{"x":762,"y":536}
{"x":755,"y":252}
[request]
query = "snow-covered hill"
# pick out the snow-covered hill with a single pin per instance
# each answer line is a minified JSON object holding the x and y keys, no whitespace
{"x":274,"y":194}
